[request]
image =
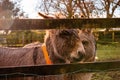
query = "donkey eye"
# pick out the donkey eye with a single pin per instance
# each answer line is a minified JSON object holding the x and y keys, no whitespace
{"x":85,"y":42}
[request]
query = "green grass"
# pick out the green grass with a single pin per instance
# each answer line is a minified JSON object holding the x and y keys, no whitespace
{"x":107,"y":53}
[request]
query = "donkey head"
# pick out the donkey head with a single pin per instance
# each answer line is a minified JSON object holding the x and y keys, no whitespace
{"x":70,"y":45}
{"x":86,"y":50}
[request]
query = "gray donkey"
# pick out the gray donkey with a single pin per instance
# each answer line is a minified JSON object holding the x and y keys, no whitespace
{"x":61,"y":46}
{"x":69,"y":46}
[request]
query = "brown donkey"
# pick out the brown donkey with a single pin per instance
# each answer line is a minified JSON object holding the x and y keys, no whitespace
{"x":62,"y":46}
{"x":69,"y":46}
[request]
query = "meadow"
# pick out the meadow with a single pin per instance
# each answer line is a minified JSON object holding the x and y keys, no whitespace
{"x":107,"y":52}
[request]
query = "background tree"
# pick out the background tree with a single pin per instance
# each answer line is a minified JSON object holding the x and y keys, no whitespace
{"x":88,"y":8}
{"x":107,"y":7}
{"x":9,"y":9}
{"x":68,"y":7}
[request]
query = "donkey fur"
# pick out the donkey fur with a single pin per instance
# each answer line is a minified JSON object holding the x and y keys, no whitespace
{"x":63,"y":46}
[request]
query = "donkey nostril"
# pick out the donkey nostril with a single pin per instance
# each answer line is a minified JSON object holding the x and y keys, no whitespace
{"x":81,"y":55}
{"x":77,"y":57}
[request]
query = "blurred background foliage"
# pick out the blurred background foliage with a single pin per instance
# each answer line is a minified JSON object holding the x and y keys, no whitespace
{"x":20,"y":38}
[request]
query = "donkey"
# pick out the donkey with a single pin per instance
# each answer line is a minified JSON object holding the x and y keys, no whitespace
{"x":61,"y":45}
{"x":69,"y":46}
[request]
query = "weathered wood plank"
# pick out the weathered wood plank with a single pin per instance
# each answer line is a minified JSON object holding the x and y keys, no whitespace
{"x":27,"y":24}
{"x":59,"y":69}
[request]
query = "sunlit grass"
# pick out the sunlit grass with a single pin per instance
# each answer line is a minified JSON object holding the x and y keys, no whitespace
{"x":108,"y":52}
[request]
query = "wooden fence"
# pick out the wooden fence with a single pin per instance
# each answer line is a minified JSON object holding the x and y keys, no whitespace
{"x":34,"y":24}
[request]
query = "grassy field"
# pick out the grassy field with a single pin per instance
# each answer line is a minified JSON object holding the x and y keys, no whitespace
{"x":107,"y":53}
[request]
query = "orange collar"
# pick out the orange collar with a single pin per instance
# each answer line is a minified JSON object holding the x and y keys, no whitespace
{"x":45,"y":52}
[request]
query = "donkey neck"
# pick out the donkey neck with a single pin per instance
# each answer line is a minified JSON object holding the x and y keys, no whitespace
{"x":52,"y":51}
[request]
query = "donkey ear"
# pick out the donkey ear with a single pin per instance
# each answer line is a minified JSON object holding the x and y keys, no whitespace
{"x":45,"y":16}
{"x":65,"y":33}
{"x":87,"y":30}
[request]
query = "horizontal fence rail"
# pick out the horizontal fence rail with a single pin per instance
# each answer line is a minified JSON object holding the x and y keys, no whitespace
{"x":57,"y":69}
{"x":27,"y":24}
